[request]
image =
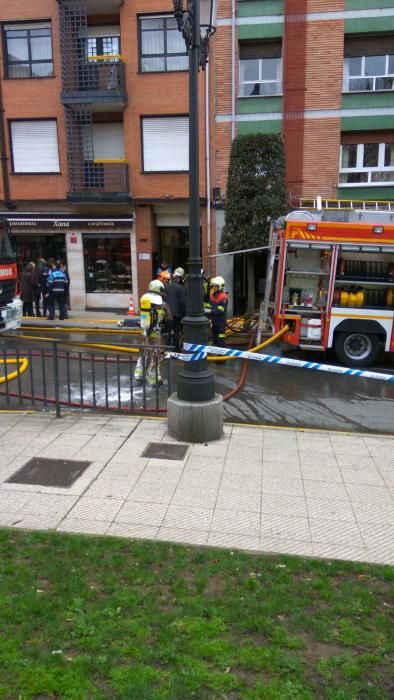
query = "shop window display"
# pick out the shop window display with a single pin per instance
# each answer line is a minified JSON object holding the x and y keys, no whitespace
{"x":107,"y":264}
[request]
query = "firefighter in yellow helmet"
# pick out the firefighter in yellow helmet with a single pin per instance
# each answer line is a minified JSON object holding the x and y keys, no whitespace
{"x":155,"y":322}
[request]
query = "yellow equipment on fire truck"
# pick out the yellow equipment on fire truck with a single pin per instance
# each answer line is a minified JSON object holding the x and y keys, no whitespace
{"x":334,"y":285}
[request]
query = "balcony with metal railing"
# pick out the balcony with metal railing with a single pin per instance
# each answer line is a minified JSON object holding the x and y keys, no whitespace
{"x":99,"y":181}
{"x":93,"y":70}
{"x":94,"y":80}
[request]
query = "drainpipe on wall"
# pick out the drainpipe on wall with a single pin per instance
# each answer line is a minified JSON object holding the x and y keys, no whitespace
{"x":232,"y":69}
{"x":3,"y":156}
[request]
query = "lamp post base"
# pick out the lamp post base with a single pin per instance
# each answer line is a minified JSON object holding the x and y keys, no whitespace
{"x":200,"y":421}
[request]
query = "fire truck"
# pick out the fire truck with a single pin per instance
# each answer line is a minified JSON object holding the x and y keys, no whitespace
{"x":333,"y":284}
{"x":10,"y":304}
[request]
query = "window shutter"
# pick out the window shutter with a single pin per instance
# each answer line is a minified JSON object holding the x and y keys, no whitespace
{"x":108,"y":141}
{"x":165,"y":144}
{"x":108,"y":30}
{"x":369,"y":45}
{"x":260,"y":49}
{"x":35,"y":147}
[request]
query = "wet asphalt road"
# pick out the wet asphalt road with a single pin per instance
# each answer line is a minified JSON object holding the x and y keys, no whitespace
{"x":275,"y":395}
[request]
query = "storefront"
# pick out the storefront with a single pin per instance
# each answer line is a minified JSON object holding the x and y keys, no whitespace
{"x":100,"y":255}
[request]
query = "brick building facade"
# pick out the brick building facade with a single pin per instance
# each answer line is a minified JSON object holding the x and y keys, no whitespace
{"x":94,"y":141}
{"x":321,"y":72}
{"x":94,"y":126}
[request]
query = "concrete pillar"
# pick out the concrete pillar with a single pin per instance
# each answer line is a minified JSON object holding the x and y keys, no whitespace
{"x":200,"y":421}
{"x":76,"y":270}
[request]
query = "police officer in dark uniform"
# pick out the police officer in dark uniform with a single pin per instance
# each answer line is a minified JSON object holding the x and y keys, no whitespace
{"x":57,"y":288}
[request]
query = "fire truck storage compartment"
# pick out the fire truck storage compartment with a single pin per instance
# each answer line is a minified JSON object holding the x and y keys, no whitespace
{"x":364,"y":278}
{"x":307,"y":276}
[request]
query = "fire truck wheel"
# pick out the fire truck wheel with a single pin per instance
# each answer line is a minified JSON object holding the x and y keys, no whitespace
{"x":357,"y":349}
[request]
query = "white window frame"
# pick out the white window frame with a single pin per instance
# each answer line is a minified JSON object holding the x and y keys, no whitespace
{"x":347,"y":78}
{"x":380,"y":168}
{"x":261,"y":80}
{"x":164,"y":147}
{"x":34,"y":148}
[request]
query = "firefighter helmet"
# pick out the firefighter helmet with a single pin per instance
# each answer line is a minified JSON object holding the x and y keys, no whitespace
{"x":156,"y":286}
{"x":217,"y":282}
{"x":179,"y":272}
{"x":165,"y":277}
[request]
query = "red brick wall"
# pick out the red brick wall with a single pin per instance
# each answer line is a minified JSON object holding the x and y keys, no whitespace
{"x":324,"y":73}
{"x":154,"y":94}
{"x":36,"y":99}
{"x":294,"y":53}
{"x":313,"y":66}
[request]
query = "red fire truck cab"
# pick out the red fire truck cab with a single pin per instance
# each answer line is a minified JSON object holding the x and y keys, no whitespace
{"x":335,"y":288}
{"x":10,"y":304}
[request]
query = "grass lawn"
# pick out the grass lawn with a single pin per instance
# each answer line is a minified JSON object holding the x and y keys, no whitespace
{"x":86,"y":617}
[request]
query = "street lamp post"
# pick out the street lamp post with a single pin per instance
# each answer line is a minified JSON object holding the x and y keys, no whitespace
{"x":195,"y":413}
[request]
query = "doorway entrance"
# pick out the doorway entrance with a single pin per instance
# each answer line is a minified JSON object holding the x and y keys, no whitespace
{"x":174,"y":246}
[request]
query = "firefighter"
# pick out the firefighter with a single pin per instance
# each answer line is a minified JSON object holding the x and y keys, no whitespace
{"x":218,"y":301}
{"x":176,"y":299}
{"x":165,"y":277}
{"x":155,"y":323}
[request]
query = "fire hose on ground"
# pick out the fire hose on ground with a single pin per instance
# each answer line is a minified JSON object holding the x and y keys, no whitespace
{"x":24,"y":363}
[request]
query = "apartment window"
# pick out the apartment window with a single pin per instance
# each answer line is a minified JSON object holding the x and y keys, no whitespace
{"x":367,"y":164}
{"x":162,"y":47}
{"x":260,"y":69}
{"x":369,"y":73}
{"x":165,"y":144}
{"x":34,"y":146}
{"x":104,"y":41}
{"x":28,"y":50}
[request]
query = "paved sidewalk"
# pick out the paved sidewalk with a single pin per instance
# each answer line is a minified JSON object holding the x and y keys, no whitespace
{"x":80,"y":319}
{"x":266,"y":490}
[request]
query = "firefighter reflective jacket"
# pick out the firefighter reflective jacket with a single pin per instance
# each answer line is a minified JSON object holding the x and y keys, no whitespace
{"x":155,"y":315}
{"x":218,"y":302}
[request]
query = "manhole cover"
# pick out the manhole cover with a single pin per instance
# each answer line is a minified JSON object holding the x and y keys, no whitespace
{"x":49,"y":472}
{"x":162,"y":450}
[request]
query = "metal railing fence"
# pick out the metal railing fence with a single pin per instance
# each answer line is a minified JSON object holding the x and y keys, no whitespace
{"x":62,"y":378}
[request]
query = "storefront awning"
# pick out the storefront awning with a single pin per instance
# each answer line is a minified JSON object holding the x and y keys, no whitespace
{"x":30,"y":221}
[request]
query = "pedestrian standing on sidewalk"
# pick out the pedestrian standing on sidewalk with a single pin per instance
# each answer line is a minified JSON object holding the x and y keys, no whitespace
{"x":56,"y":294}
{"x":176,"y":300}
{"x":28,"y":292}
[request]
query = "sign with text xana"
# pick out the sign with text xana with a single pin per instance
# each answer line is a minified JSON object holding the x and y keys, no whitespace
{"x":37,"y":223}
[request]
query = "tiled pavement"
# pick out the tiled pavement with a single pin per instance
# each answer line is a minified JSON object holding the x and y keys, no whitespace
{"x":268,"y":490}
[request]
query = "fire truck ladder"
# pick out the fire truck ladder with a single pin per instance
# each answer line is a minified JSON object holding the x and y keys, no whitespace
{"x":265,"y":303}
{"x":318,"y":203}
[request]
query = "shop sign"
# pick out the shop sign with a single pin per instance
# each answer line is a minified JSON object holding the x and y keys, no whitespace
{"x":22,"y":223}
